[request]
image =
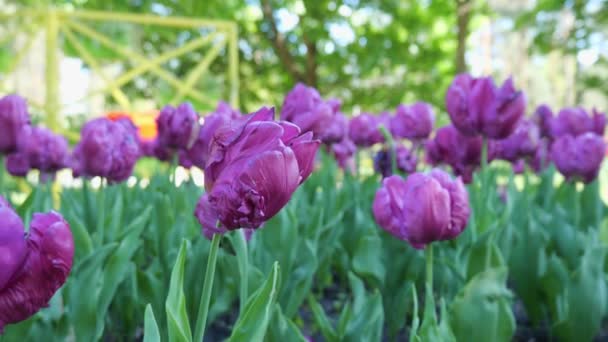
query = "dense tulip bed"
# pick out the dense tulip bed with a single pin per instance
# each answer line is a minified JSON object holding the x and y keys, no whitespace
{"x":314,"y":226}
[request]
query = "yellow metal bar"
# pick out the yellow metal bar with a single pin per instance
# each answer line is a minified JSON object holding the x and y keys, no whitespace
{"x":118,"y":95}
{"x":21,"y":53}
{"x":148,"y":19}
{"x":142,"y":68}
{"x":52,"y":71}
{"x":233,"y":66}
{"x":132,"y":55}
{"x":197,"y":72}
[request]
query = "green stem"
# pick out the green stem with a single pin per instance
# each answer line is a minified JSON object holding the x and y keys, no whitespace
{"x":203,"y":309}
{"x":101,"y":214}
{"x":429,"y":267}
{"x":357,"y":164}
{"x":388,"y":137}
{"x":577,"y":206}
{"x":239,"y":243}
{"x":484,"y":155}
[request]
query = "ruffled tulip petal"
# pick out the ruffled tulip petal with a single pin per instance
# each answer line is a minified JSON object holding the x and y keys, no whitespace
{"x":46,"y":268}
{"x":12,"y":244}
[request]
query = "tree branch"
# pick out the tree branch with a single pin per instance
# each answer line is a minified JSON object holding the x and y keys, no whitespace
{"x":311,"y":61}
{"x":279,"y":44}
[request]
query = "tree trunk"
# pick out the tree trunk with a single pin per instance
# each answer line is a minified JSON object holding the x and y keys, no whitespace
{"x":463,"y":8}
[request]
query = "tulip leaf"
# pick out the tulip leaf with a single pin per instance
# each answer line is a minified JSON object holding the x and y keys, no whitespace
{"x":367,"y":320}
{"x":283,"y":329}
{"x":117,"y":267}
{"x":253,"y":323}
{"x":367,"y":260}
{"x":300,"y":278}
{"x":322,"y":320}
{"x":485,"y":298}
{"x":178,"y":324}
{"x":151,"y":333}
{"x":88,"y":277}
{"x":584,"y":299}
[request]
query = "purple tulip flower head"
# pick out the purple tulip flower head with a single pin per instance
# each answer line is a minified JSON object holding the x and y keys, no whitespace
{"x":304,"y":107}
{"x":154,"y":149}
{"x":406,"y":161}
{"x":255,"y":165}
{"x":462,"y":153}
{"x":198,"y":154}
{"x":413,"y":122}
{"x":13,"y":118}
{"x":33,"y":266}
{"x":521,"y":144}
{"x":576,"y":121}
{"x":344,"y":152}
{"x":177,"y":127}
{"x":578,"y":157}
{"x":363,"y":129}
{"x":477,"y":107}
{"x":106,"y":149}
{"x":335,"y":131}
{"x":423,"y":208}
{"x":40,"y":149}
{"x":543,"y":116}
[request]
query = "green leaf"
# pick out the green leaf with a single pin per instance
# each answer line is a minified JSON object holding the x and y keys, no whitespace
{"x":151,"y":333}
{"x":485,"y":298}
{"x":283,"y":329}
{"x":583,"y":299}
{"x":322,"y":320}
{"x":116,"y":269}
{"x":178,"y":324}
{"x":367,"y":321}
{"x":253,"y":323}
{"x":367,"y":260}
{"x":84,"y":289}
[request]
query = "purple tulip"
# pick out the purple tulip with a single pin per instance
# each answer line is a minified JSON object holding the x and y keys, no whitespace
{"x":462,"y":153}
{"x":255,"y":165}
{"x":477,"y":107}
{"x":335,"y":131}
{"x":579,"y":157}
{"x":106,"y":149}
{"x":198,"y":154}
{"x":543,"y":116}
{"x":363,"y":129}
{"x":304,"y":107}
{"x":154,"y":149}
{"x":541,"y":159}
{"x":33,"y":266}
{"x":344,"y":152}
{"x":40,"y":149}
{"x":521,"y":144}
{"x":413,"y":122}
{"x":406,"y":161}
{"x":177,"y":127}
{"x":576,"y":121}
{"x":13,"y":118}
{"x":225,"y":109}
{"x":423,"y":208}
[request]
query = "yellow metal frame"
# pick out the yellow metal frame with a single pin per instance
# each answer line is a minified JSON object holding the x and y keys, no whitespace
{"x":68,"y":24}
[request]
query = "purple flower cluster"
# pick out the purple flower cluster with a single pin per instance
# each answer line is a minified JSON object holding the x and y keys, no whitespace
{"x":33,"y":266}
{"x":40,"y":149}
